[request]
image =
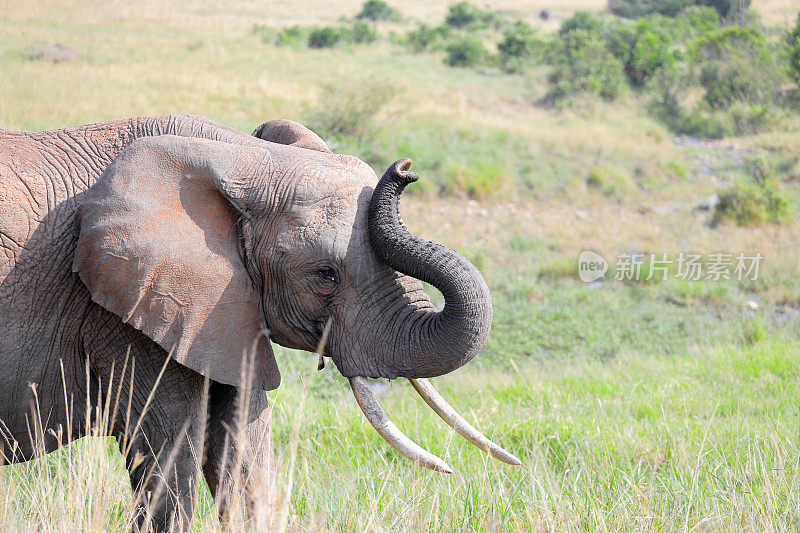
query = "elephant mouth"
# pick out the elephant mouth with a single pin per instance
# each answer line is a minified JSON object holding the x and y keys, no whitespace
{"x":383,"y":425}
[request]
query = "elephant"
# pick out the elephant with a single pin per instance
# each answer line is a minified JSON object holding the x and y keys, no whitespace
{"x":150,"y":263}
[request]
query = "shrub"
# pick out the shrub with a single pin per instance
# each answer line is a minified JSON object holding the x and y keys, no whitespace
{"x":750,"y":204}
{"x":362,"y":33}
{"x":695,"y":21}
{"x":700,"y":121}
{"x":735,"y":65}
{"x":725,"y":9}
{"x":643,"y":48}
{"x":325,"y":37}
{"x":753,"y":201}
{"x":376,"y":10}
{"x":794,"y":52}
{"x":585,"y":66}
{"x":520,"y":44}
{"x":465,"y":52}
{"x":464,"y":14}
{"x":292,"y":36}
{"x":330,"y":36}
{"x":609,"y":179}
{"x":427,"y":38}
{"x":349,"y":109}
{"x":640,"y":8}
{"x":730,"y":83}
{"x":581,"y":20}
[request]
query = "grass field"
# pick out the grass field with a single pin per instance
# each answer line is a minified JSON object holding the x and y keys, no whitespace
{"x":657,"y":406}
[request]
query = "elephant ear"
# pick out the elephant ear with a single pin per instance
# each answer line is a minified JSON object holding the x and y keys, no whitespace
{"x":159,"y":247}
{"x":291,"y":133}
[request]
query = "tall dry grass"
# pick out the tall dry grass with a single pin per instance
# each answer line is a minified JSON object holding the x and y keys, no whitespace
{"x":710,"y":445}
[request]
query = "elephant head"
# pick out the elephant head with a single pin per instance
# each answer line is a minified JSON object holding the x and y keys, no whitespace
{"x":213,"y":249}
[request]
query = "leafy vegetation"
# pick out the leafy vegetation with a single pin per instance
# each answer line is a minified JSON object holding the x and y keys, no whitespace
{"x":376,"y":10}
{"x":291,"y":36}
{"x":735,"y":65}
{"x":755,"y":200}
{"x":428,"y":38}
{"x":465,"y":15}
{"x":330,"y":36}
{"x":325,"y":37}
{"x":702,"y":77}
{"x":610,"y":180}
{"x":349,"y":109}
{"x":726,"y":9}
{"x":520,"y":46}
{"x":465,"y":52}
{"x":584,"y":65}
{"x":794,"y":51}
{"x":644,"y":48}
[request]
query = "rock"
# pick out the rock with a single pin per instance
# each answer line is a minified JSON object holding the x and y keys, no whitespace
{"x":52,"y":53}
{"x":709,"y":204}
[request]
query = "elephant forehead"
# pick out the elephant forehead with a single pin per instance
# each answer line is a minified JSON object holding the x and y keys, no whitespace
{"x":314,"y":181}
{"x":322,"y":200}
{"x":333,"y":225}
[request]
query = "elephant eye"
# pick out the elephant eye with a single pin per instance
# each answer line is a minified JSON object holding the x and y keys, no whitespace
{"x":328,"y":274}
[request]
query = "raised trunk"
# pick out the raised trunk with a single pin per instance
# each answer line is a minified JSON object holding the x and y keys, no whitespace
{"x":431,"y":343}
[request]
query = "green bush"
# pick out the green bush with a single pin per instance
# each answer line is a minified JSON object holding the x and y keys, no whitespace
{"x":465,"y":15}
{"x":693,"y":22}
{"x":725,"y":9}
{"x":376,"y":10}
{"x":749,"y":204}
{"x":325,"y":37}
{"x":729,"y":84}
{"x":581,"y":20}
{"x":329,"y":36}
{"x":427,"y":38}
{"x":735,"y":65}
{"x":292,"y":36}
{"x":584,"y":66}
{"x":362,"y":33}
{"x":465,"y":52}
{"x":643,"y":48}
{"x":609,"y":179}
{"x":521,"y":44}
{"x":700,"y":121}
{"x":349,"y":109}
{"x":755,"y":200}
{"x":794,"y":52}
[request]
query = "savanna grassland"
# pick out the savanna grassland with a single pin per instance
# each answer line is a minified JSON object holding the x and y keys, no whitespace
{"x":654,"y":405}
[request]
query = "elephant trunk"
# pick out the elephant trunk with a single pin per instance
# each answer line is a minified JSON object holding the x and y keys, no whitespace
{"x":430,"y":343}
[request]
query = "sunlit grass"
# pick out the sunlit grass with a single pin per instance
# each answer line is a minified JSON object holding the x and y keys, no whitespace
{"x":702,"y":440}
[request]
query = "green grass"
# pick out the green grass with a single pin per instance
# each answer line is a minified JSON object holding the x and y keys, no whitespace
{"x":712,"y":443}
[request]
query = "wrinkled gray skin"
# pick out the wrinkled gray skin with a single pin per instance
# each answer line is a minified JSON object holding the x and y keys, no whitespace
{"x":126,"y":241}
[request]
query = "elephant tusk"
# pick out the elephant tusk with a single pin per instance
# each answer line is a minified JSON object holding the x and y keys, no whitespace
{"x":377,"y":417}
{"x":462,"y":427}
